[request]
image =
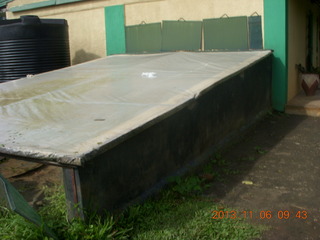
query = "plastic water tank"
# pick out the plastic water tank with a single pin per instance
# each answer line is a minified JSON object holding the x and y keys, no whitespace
{"x":31,"y":45}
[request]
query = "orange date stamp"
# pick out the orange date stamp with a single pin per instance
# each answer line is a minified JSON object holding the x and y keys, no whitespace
{"x":265,"y":214}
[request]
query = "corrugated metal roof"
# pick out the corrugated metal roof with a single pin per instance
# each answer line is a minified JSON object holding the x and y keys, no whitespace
{"x":4,"y":2}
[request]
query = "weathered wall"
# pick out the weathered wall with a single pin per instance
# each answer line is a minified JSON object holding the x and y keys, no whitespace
{"x":297,"y":41}
{"x":87,"y":21}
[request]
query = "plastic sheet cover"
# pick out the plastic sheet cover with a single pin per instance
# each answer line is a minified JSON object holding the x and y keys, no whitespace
{"x":71,"y":115}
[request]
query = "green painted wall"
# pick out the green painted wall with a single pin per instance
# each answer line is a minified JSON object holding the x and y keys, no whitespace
{"x":275,"y":38}
{"x":115,"y":29}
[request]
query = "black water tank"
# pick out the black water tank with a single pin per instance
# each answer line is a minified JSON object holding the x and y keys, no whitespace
{"x":30,"y":45}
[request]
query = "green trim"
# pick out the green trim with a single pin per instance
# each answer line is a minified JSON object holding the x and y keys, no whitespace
{"x":67,"y":1}
{"x":33,"y":6}
{"x":4,"y":2}
{"x":275,"y":38}
{"x":115,"y":29}
{"x":310,"y":46}
{"x":42,"y":4}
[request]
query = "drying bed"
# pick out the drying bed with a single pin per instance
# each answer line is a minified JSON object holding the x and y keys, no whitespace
{"x":122,"y":124}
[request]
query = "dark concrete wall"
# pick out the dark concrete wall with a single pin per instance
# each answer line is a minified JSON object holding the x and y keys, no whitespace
{"x":181,"y":141}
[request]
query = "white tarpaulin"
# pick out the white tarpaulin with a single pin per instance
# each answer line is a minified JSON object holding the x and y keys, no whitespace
{"x":66,"y":115}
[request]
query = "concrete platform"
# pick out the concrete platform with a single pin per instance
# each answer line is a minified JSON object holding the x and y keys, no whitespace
{"x":304,"y":105}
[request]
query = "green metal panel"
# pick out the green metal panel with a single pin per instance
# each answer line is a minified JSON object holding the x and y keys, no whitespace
{"x":226,"y":33}
{"x":255,"y":32}
{"x":181,"y":35}
{"x":143,"y":38}
{"x":275,"y":38}
{"x":115,"y":29}
{"x":12,"y":199}
{"x":33,"y":6}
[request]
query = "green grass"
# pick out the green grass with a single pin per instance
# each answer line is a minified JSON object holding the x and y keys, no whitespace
{"x":187,"y":220}
{"x":12,"y":226}
{"x":54,"y":214}
{"x":178,"y":212}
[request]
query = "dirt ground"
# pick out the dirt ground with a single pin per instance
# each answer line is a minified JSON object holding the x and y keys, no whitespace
{"x":278,"y":164}
{"x":30,"y":178}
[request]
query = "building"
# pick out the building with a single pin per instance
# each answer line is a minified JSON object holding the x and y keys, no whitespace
{"x":96,"y":28}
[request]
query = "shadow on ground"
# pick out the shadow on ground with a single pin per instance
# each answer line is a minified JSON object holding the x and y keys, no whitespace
{"x":278,"y":180}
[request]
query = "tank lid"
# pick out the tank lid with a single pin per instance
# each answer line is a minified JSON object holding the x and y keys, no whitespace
{"x":30,"y":19}
{"x":32,"y":27}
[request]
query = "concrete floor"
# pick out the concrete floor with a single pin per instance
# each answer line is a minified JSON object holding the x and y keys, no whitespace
{"x":304,"y":105}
